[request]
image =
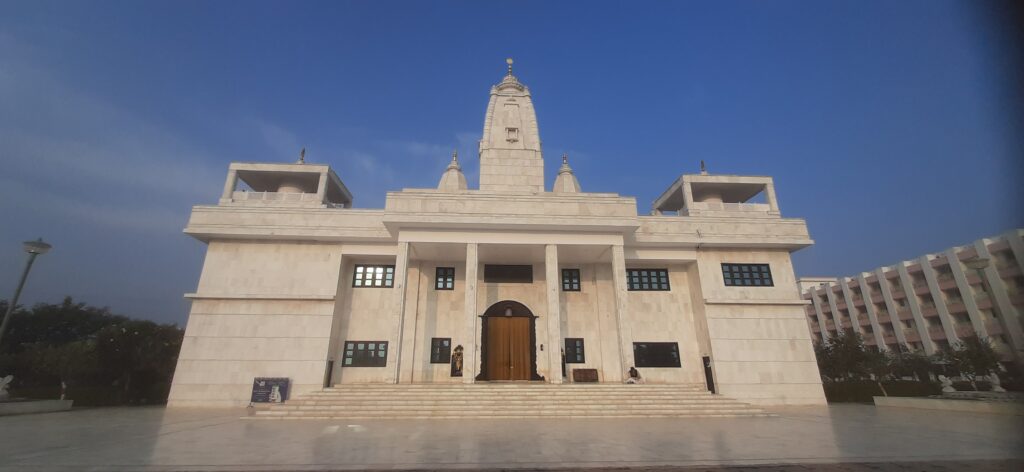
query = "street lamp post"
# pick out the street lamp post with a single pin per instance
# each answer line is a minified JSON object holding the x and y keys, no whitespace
{"x":33,"y":248}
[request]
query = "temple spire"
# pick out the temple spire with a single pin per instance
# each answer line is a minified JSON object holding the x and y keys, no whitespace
{"x":453,"y":180}
{"x":566,"y":181}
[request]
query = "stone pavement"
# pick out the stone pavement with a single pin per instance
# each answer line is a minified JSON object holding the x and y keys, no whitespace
{"x":837,"y":438}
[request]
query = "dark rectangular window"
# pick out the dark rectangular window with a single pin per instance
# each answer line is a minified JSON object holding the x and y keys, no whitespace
{"x":574,"y":353}
{"x":656,"y":354}
{"x":570,"y":280}
{"x":444,"y":278}
{"x":440,"y":350}
{"x":365,"y":354}
{"x":747,"y":275}
{"x":374,"y":276}
{"x":508,"y":274}
{"x":647,"y":279}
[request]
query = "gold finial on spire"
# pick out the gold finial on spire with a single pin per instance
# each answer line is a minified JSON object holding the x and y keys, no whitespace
{"x":302,"y":156}
{"x":509,"y":62}
{"x":455,"y":155}
{"x":565,"y":158}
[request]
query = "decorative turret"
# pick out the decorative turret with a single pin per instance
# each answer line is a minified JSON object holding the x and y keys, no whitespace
{"x":566,"y":181}
{"x":453,"y":179}
{"x":510,"y":155}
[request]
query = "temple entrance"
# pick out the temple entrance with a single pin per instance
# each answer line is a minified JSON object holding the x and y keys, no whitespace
{"x":509,"y":341}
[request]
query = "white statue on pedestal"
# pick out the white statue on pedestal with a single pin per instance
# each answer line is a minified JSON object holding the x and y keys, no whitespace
{"x":947,"y":385}
{"x":996,"y":384}
{"x":275,"y":394}
{"x":4,"y":382}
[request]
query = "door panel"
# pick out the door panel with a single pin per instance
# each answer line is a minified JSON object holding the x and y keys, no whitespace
{"x":508,"y":348}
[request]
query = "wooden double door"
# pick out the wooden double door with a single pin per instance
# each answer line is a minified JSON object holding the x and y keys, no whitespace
{"x":508,"y":348}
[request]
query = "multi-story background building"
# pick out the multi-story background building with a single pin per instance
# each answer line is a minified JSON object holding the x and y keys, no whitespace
{"x":928,"y":303}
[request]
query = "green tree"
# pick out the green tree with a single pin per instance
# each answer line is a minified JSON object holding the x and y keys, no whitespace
{"x":971,"y":358}
{"x":842,"y":357}
{"x":908,"y":363}
{"x":137,"y":348}
{"x":880,"y":365}
{"x":54,"y":324}
{"x":67,"y":364}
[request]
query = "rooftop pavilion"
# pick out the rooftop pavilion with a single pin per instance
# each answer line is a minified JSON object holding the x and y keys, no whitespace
{"x":272,"y":184}
{"x":718,"y":195}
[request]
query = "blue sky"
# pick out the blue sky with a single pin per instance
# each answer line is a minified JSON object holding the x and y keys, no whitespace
{"x":894,"y":128}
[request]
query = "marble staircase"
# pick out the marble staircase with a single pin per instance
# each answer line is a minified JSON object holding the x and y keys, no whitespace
{"x":508,"y":400}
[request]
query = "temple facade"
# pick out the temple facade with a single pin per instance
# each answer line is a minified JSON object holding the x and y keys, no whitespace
{"x":510,"y":282}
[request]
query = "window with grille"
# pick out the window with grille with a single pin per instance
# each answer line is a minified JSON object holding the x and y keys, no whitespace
{"x":647,"y":279}
{"x":440,"y":350}
{"x":374,"y":276}
{"x":570,"y":280}
{"x":656,"y":354}
{"x":747,"y":275}
{"x":574,"y":353}
{"x":444,"y":278}
{"x":365,"y":354}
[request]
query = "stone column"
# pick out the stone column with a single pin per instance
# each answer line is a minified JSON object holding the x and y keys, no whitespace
{"x":932,"y":279}
{"x":1001,"y":304}
{"x":398,"y":309}
{"x":819,"y":313}
{"x":769,"y":195}
{"x":471,"y":333}
{"x":910,"y":294}
{"x":409,"y":325}
{"x":229,"y":186}
{"x":551,"y":280}
{"x":321,"y":188}
{"x":890,"y":306}
{"x":622,"y":325}
{"x":869,"y":307}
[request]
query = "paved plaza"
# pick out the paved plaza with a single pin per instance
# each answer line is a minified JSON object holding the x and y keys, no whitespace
{"x":806,"y":438}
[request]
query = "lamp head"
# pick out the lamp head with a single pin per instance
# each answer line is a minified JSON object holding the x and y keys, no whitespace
{"x":36,"y":247}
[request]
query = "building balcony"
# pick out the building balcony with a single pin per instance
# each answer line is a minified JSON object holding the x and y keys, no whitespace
{"x":965,"y":331}
{"x":956,"y":306}
{"x":947,"y":284}
{"x":929,"y":310}
{"x":994,"y":327}
{"x":1009,"y":272}
{"x":922,"y":289}
{"x":936,"y":332}
{"x":911,"y":335}
{"x":733,"y":209}
{"x":876,"y":298}
{"x":905,"y":315}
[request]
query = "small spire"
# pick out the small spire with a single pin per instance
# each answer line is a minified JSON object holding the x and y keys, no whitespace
{"x":302,"y":156}
{"x":455,"y":160}
{"x":565,"y":169}
{"x":703,"y":168}
{"x":509,"y":62}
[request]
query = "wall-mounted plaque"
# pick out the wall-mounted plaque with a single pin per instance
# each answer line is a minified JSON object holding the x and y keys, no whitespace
{"x":270,"y":389}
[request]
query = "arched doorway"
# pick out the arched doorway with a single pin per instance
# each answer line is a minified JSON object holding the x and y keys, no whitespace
{"x":509,"y":340}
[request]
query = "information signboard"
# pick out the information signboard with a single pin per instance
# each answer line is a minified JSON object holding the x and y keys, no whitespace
{"x":270,"y":389}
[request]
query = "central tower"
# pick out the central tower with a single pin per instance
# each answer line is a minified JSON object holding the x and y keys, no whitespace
{"x":510,"y":155}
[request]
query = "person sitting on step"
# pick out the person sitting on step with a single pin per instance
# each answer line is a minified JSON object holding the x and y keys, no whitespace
{"x":634,"y":376}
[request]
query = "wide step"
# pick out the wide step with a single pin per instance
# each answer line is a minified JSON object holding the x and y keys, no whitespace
{"x":508,"y":401}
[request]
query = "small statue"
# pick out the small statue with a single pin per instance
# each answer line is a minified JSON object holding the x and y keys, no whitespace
{"x":634,"y":376}
{"x":4,"y":382}
{"x":996,"y":384}
{"x":457,"y":361}
{"x":275,"y":394}
{"x":947,"y":385}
